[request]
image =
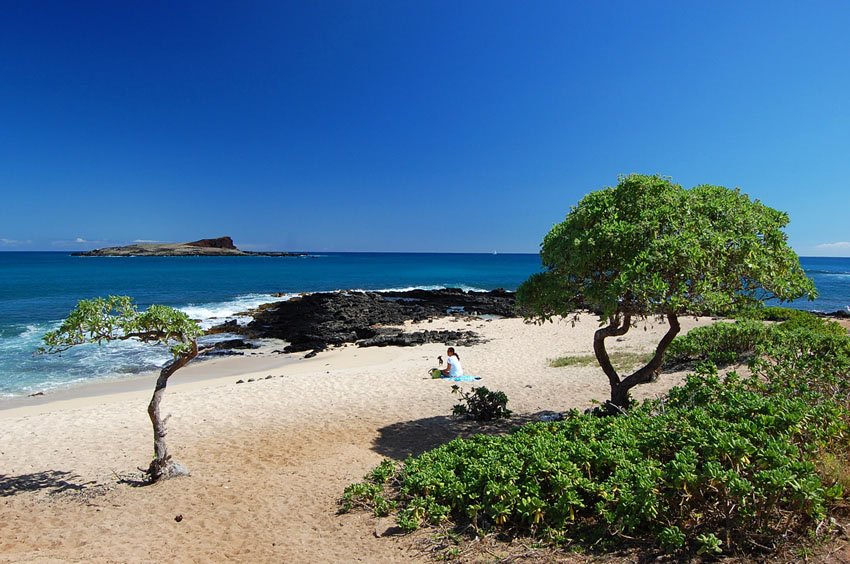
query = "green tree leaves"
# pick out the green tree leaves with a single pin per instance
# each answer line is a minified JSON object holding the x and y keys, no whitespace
{"x":114,"y":318}
{"x":650,"y":247}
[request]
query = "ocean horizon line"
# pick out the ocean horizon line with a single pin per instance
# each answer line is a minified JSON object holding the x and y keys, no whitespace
{"x":319,"y":253}
{"x":314,"y":253}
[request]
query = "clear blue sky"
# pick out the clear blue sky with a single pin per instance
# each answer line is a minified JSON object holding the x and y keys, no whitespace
{"x":409,"y":125}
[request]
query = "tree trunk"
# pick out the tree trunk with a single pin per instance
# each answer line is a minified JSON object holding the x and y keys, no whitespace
{"x":162,"y":466}
{"x":616,"y":327}
{"x":620,"y":388}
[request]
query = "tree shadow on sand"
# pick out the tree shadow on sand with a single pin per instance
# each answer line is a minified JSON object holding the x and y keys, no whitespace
{"x":52,"y":481}
{"x":411,"y":438}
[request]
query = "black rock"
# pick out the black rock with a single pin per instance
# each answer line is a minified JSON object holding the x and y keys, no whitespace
{"x":401,"y":339}
{"x":226,"y":348}
{"x":231,"y":344}
{"x":314,"y":322}
{"x":224,"y":353}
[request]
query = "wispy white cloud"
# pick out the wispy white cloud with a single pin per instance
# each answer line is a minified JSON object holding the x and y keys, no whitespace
{"x":13,"y":242}
{"x":146,"y":241}
{"x":837,"y":246}
{"x":65,"y":243}
{"x":836,"y":249}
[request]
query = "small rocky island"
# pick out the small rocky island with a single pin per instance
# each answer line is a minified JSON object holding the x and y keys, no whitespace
{"x":218,"y":247}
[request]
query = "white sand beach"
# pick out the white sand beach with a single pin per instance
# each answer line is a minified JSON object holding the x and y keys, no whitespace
{"x":269,"y":458}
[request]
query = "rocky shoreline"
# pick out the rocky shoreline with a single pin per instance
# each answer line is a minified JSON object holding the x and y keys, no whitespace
{"x":314,"y":322}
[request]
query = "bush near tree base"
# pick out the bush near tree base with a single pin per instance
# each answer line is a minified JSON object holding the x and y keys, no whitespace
{"x":481,"y":404}
{"x":721,"y":343}
{"x":720,"y":464}
{"x":726,"y":343}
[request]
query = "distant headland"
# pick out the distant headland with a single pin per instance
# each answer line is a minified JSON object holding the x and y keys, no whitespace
{"x":221,"y":246}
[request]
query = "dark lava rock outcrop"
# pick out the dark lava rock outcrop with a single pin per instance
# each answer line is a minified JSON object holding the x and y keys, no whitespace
{"x":228,"y":347}
{"x":218,"y":243}
{"x":401,"y":339}
{"x":316,"y":321}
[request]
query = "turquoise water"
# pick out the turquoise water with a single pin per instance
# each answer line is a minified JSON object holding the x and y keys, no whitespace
{"x":38,"y":289}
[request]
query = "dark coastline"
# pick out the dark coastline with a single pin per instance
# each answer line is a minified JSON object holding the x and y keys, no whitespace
{"x":314,"y":322}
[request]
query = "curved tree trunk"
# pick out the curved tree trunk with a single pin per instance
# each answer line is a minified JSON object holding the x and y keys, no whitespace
{"x":616,"y":327}
{"x":620,"y":388}
{"x":162,"y":466}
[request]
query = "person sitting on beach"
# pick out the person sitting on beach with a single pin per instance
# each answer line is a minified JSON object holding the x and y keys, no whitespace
{"x":453,"y":367}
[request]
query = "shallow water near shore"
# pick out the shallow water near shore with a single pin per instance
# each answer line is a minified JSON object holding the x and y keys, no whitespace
{"x":38,"y":289}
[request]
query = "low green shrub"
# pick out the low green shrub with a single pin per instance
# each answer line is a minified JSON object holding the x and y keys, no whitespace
{"x":811,"y":322}
{"x":718,"y":459}
{"x":726,"y":343}
{"x":774,"y":313}
{"x":370,"y":493}
{"x":720,"y":464}
{"x":813,"y":361}
{"x":789,"y":319}
{"x":480,"y":404}
{"x":721,"y":343}
{"x":366,"y":495}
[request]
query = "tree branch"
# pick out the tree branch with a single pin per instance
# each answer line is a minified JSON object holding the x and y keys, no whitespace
{"x":645,"y":374}
{"x":145,"y":336}
{"x":614,"y":329}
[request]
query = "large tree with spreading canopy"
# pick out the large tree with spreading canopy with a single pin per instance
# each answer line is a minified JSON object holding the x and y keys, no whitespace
{"x":650,"y":248}
{"x":117,"y":318}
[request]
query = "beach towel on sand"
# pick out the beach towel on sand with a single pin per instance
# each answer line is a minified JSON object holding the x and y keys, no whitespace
{"x":465,"y":378}
{"x":436,"y":374}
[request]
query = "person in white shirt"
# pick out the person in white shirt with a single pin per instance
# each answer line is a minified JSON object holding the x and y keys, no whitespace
{"x":453,"y":367}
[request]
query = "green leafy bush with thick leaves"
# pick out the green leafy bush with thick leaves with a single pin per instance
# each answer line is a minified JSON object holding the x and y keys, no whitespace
{"x":721,"y":343}
{"x":813,"y":362}
{"x":732,"y":342}
{"x":719,"y":464}
{"x":777,"y":313}
{"x":481,"y":404}
{"x":715,"y":458}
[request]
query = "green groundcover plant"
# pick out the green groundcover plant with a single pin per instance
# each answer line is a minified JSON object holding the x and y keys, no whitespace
{"x":721,"y":343}
{"x":732,"y":342}
{"x":721,"y":464}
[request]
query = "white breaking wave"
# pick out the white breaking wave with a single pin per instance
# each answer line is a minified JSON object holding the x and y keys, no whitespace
{"x":215,"y":313}
{"x":463,"y":287}
{"x":85,"y":363}
{"x":29,"y":339}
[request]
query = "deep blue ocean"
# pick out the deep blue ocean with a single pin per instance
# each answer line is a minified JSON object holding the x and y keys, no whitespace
{"x":38,"y":289}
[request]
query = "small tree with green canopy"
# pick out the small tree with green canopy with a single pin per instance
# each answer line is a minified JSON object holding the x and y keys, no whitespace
{"x":650,"y":248}
{"x":117,"y":318}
